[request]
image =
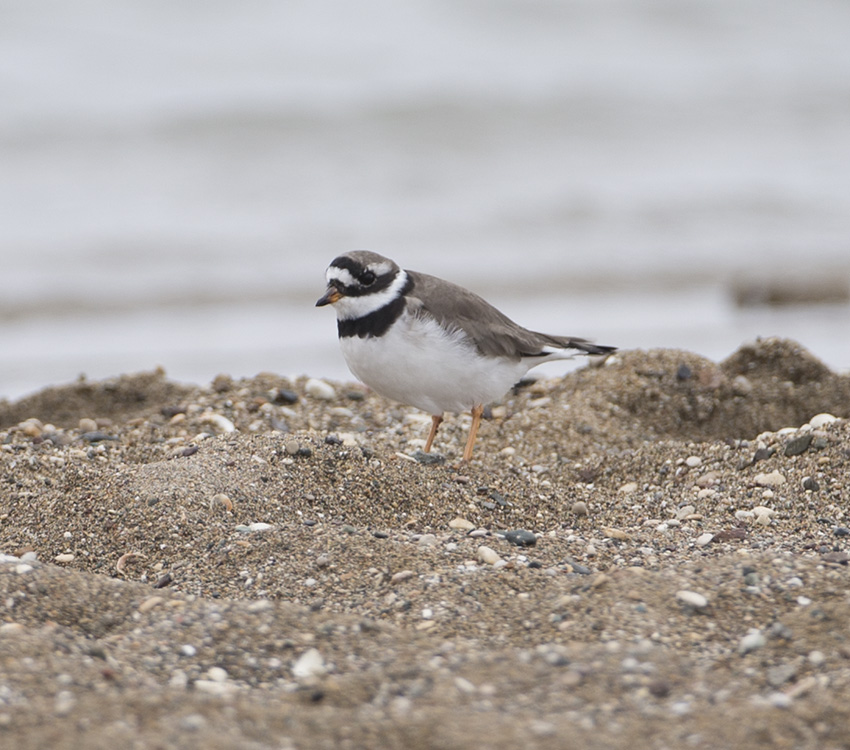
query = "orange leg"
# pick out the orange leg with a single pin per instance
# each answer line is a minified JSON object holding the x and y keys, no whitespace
{"x":435,"y":423}
{"x":477,"y":411}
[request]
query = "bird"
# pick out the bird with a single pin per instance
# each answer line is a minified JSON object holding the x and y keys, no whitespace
{"x":426,"y":342}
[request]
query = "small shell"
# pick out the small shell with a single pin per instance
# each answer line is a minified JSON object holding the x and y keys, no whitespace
{"x":119,"y":566}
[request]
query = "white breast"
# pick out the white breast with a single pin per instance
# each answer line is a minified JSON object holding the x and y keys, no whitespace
{"x":417,"y":362}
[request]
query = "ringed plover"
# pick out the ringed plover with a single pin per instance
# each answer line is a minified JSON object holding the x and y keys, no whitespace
{"x":432,"y":344}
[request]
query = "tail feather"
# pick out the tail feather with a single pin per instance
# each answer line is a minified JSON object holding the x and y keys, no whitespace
{"x":557,"y":344}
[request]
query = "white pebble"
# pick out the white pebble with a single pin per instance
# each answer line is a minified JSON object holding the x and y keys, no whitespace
{"x":320,"y":389}
{"x":804,"y":601}
{"x":259,"y":526}
{"x":684,"y":512}
{"x":693,"y":461}
{"x":462,"y":524}
{"x":773,"y":479}
{"x":211,"y":687}
{"x":187,"y":649}
{"x":217,"y":674}
{"x":65,"y":557}
{"x":628,"y":488}
{"x":309,"y":664}
{"x":692,"y":599}
{"x":488,"y":555}
{"x":816,"y":658}
{"x":752,"y":641}
{"x":219,"y":422}
{"x":778,"y":699}
{"x":704,"y":539}
{"x":64,"y":703}
{"x":819,"y":420}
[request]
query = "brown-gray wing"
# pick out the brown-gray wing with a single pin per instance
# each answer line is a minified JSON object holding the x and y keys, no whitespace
{"x":493,"y":332}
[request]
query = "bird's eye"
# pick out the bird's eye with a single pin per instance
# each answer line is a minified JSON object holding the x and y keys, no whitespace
{"x":367,"y":278}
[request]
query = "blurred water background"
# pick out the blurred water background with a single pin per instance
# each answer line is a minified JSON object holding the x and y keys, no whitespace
{"x":176,"y":176}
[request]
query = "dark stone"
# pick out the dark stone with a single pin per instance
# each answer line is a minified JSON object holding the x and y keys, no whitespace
{"x":380,"y":535}
{"x":684,"y":372}
{"x":332,"y":440}
{"x":582,"y":570}
{"x":842,"y":531}
{"x":97,"y":436}
{"x":800,"y":444}
{"x":762,"y":454}
{"x":499,"y":499}
{"x":521,"y":538}
{"x":429,"y":459}
{"x":163,"y":581}
{"x":285,"y":396}
{"x":659,"y":688}
{"x":810,"y":483}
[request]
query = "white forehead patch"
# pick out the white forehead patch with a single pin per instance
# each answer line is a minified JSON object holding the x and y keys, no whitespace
{"x":342,"y":275}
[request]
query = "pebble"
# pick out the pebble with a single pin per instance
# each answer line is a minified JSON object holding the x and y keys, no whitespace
{"x":819,"y":420}
{"x":427,"y":540}
{"x":693,"y":461}
{"x":781,"y":673}
{"x":741,"y":386}
{"x":704,"y":539}
{"x":684,"y":512}
{"x":87,"y":425}
{"x":628,"y":488}
{"x":580,"y":508}
{"x":816,"y":658}
{"x":259,"y":526}
{"x":65,"y":557}
{"x":521,"y":538}
{"x":187,"y":649}
{"x":618,"y":534}
{"x":220,"y":422}
{"x":213,"y":687}
{"x":223,"y":500}
{"x":309,"y":664}
{"x":709,"y":479}
{"x":752,"y":641}
{"x":773,"y":479}
{"x":461,"y":523}
{"x":692,"y":599}
{"x":64,"y":703}
{"x":402,"y":575}
{"x":488,"y":555}
{"x":810,"y":483}
{"x":148,"y":604}
{"x":800,"y":444}
{"x":319,"y":389}
{"x":217,"y":674}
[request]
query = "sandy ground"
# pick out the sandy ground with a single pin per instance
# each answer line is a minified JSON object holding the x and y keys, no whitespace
{"x":269,"y":564}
